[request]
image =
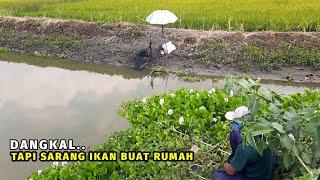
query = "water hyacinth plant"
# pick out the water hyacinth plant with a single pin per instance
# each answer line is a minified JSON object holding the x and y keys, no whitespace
{"x":175,"y":121}
{"x":197,"y":121}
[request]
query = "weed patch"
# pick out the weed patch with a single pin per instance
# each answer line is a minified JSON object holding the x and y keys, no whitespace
{"x":4,"y":49}
{"x":159,"y":71}
{"x":188,"y":77}
{"x":251,"y":56}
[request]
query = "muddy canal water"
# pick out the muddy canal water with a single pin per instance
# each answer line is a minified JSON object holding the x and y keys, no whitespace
{"x":56,"y":103}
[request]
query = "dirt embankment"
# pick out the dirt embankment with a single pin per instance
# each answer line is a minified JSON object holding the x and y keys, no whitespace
{"x":269,"y":55}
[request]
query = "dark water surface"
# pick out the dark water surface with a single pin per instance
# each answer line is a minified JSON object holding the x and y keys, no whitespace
{"x":64,"y":100}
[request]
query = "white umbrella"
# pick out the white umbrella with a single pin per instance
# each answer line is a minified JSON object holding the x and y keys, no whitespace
{"x":162,"y":17}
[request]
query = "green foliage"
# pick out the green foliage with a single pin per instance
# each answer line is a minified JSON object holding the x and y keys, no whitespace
{"x":183,"y":75}
{"x":188,"y":77}
{"x":51,"y":41}
{"x":159,"y":71}
{"x":210,"y":53}
{"x":307,"y":177}
{"x":248,"y":54}
{"x":60,"y":45}
{"x":176,"y":121}
{"x":198,"y":107}
{"x":4,"y":49}
{"x":130,"y":33}
{"x":255,"y":56}
{"x":248,"y":15}
{"x":289,"y":126}
{"x":62,"y":42}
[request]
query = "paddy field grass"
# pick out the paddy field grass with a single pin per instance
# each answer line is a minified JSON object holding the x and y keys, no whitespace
{"x":246,"y":15}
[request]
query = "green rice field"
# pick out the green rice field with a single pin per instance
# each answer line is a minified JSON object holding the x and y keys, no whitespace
{"x":244,"y":15}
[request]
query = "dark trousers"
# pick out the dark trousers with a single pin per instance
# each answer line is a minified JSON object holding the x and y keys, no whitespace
{"x":235,"y":139}
{"x":221,"y":175}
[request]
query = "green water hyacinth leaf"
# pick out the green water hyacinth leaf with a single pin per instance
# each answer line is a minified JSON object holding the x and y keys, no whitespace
{"x":307,"y":111}
{"x":314,"y":118}
{"x":139,"y":139}
{"x":274,"y":108}
{"x":292,"y":123}
{"x":289,"y":115}
{"x":259,"y":128}
{"x":254,"y":105}
{"x":261,"y":146}
{"x":265,"y":93}
{"x":313,"y":130}
{"x":287,"y":160}
{"x":278,"y":127}
{"x":202,"y":108}
{"x":245,"y":84}
{"x":292,"y":120}
{"x":229,"y":84}
{"x":306,"y":158}
{"x":114,"y":175}
{"x":316,"y":143}
{"x":288,"y":144}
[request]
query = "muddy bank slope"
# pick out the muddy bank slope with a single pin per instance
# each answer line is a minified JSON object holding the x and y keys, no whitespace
{"x":269,"y":55}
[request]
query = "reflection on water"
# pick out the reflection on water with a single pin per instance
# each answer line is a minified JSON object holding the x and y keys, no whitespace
{"x":37,"y":102}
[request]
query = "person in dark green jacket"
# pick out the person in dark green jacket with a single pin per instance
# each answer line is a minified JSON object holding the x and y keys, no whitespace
{"x":245,"y":162}
{"x":248,"y":164}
